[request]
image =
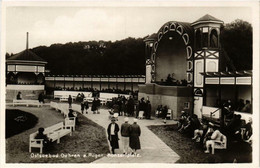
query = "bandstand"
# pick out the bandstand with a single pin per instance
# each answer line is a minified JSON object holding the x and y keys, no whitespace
{"x":191,"y":55}
{"x":25,"y":73}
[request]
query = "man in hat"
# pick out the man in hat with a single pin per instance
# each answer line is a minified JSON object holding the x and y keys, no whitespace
{"x":112,"y":132}
{"x":135,"y":132}
{"x":125,"y":128}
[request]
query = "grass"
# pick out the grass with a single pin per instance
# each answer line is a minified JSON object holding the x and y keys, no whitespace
{"x":18,"y":121}
{"x":192,"y":152}
{"x":88,"y":138}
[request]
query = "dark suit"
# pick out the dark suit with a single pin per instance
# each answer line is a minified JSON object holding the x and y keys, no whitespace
{"x":113,"y":138}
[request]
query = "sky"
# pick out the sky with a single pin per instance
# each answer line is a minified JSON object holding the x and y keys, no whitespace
{"x":49,"y":25}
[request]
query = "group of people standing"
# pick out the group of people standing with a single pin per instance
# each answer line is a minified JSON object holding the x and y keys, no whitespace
{"x":122,"y":105}
{"x":144,"y":109}
{"x":130,"y":134}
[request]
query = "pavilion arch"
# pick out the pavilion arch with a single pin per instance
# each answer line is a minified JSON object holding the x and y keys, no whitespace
{"x":182,"y":31}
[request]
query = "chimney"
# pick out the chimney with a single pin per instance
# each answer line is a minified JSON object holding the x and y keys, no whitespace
{"x":27,"y":41}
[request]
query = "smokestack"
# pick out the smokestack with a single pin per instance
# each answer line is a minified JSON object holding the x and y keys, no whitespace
{"x":27,"y":41}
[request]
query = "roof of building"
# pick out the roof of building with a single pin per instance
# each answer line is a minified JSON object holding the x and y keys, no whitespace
{"x":207,"y":18}
{"x":26,"y":55}
{"x":228,"y":74}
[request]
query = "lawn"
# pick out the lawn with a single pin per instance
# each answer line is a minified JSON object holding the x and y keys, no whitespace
{"x":192,"y":152}
{"x":89,"y":138}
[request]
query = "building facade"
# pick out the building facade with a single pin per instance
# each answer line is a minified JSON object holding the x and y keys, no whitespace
{"x":179,"y":57}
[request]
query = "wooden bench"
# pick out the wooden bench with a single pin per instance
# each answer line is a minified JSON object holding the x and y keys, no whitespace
{"x":54,"y":105}
{"x":89,"y":99}
{"x":54,"y":132}
{"x":26,"y":102}
{"x":70,"y":122}
{"x":220,"y":144}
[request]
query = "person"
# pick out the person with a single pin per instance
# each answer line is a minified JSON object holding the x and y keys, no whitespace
{"x":233,"y":126}
{"x":130,"y":106}
{"x":169,"y":79}
{"x":247,"y":133}
{"x":148,"y":110}
{"x":135,"y":133}
{"x":94,"y":106}
{"x":125,"y":133}
{"x":247,"y":107}
{"x":183,"y":118}
{"x":82,"y":105}
{"x":46,"y":140}
{"x":240,"y":105}
{"x":141,"y":107}
{"x":40,"y":98}
{"x":208,"y":134}
{"x":193,"y":124}
{"x":159,"y":111}
{"x":98,"y":104}
{"x":112,"y":132}
{"x":73,"y":114}
{"x":215,"y":137}
{"x":86,"y":106}
{"x":228,"y":110}
{"x":70,"y":101}
{"x":164,"y":113}
{"x":199,"y":133}
{"x":19,"y":96}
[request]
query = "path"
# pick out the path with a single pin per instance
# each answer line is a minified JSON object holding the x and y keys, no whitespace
{"x":153,"y":149}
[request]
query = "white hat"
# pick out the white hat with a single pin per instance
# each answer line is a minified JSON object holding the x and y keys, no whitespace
{"x":135,"y":120}
{"x":126,"y":119}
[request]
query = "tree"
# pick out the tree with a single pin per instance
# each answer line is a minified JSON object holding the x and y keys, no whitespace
{"x":236,"y":39}
{"x":124,"y":57}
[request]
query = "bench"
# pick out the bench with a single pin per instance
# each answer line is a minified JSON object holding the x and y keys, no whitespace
{"x":54,"y":132}
{"x":26,"y":102}
{"x":54,"y":105}
{"x":65,"y":98}
{"x":219,"y":144}
{"x":89,"y":99}
{"x":70,"y":122}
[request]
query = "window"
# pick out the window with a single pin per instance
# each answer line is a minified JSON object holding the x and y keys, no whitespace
{"x":198,"y":39}
{"x":187,"y":105}
{"x":205,"y":33}
{"x":214,"y":39}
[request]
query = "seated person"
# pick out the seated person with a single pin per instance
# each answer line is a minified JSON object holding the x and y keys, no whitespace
{"x":215,"y":137}
{"x":201,"y":132}
{"x":182,"y":119}
{"x":247,"y":134}
{"x":207,"y":135}
{"x":185,"y":124}
{"x":46,"y":140}
{"x":193,"y":124}
{"x":19,"y":96}
{"x":159,"y":111}
{"x":233,"y":126}
{"x":240,"y":105}
{"x":73,"y":114}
